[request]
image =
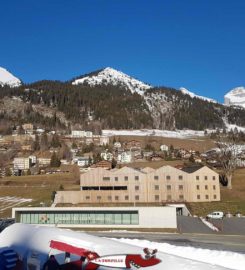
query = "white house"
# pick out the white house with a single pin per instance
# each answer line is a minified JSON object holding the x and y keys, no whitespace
{"x":104,"y":140}
{"x":124,"y":157}
{"x":117,"y":145}
{"x":77,"y":133}
{"x":83,"y":161}
{"x":164,"y":147}
{"x":106,"y":155}
{"x":21,"y":163}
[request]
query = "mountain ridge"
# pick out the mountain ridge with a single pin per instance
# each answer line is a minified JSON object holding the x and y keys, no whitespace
{"x":110,"y":102}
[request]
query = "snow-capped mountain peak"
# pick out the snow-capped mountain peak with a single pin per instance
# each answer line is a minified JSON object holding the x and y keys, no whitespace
{"x":193,"y":95}
{"x":6,"y":78}
{"x":114,"y":77}
{"x":236,"y":97}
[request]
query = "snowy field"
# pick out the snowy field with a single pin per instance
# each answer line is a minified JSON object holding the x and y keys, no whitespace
{"x":9,"y":202}
{"x":181,"y":134}
{"x":184,"y":258}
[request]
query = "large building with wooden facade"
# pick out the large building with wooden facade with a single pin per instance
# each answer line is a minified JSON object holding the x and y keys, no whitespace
{"x":127,"y":185}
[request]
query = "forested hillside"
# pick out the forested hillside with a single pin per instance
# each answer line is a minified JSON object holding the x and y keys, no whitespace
{"x":63,"y":105}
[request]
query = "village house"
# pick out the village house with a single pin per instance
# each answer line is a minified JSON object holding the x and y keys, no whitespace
{"x":124,"y":157}
{"x":28,"y":128}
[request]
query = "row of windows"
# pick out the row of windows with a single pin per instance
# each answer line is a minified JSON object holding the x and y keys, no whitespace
{"x":156,"y":177}
{"x":136,"y":197}
{"x":137,"y":188}
{"x":206,"y":187}
{"x":207,"y":197}
{"x":129,"y":217}
{"x":105,"y":188}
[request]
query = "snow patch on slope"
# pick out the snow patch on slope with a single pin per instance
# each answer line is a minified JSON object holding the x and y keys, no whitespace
{"x":193,"y":95}
{"x":181,"y":134}
{"x":236,"y":97}
{"x":114,"y":77}
{"x":6,"y":78}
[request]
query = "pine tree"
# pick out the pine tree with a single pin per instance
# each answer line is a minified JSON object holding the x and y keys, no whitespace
{"x":54,"y":162}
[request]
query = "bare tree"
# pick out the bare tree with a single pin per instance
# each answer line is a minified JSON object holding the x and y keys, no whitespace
{"x":227,"y":156}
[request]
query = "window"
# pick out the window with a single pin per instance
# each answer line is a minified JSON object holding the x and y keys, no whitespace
{"x":214,"y":187}
{"x":87,"y":197}
{"x":181,"y":197}
{"x":109,"y":198}
{"x":205,"y":177}
{"x":105,"y":178}
{"x":206,"y":196}
{"x":156,"y":187}
{"x":169,"y":197}
{"x":120,"y":188}
{"x":116,"y":198}
{"x":98,"y":198}
{"x":198,"y":187}
{"x":214,"y":178}
{"x":180,"y":177}
{"x":90,"y":188}
{"x":180,"y":187}
{"x":156,"y":177}
{"x":137,"y":197}
{"x":156,"y":197}
{"x":206,"y":187}
{"x":137,"y":188}
{"x":126,"y":178}
{"x":215,"y":196}
{"x":136,"y":177}
{"x":168,"y":187}
{"x":197,"y":177}
{"x":168,"y":177}
{"x":126,"y":198}
{"x":106,"y":188}
{"x":198,"y":197}
{"x":116,"y":178}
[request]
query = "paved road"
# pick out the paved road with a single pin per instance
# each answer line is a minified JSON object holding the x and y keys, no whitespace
{"x":211,"y":241}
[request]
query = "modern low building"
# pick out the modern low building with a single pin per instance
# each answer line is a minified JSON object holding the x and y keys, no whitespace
{"x":127,"y":185}
{"x":98,"y":217}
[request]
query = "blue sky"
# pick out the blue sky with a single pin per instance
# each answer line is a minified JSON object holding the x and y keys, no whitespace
{"x":196,"y":44}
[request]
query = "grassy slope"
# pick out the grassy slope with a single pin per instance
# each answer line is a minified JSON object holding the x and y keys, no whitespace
{"x":38,"y":187}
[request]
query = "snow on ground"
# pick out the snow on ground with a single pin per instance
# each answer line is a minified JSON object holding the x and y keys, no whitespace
{"x":192,"y":95}
{"x":6,"y":78}
{"x":211,"y":258}
{"x":114,"y":77}
{"x":181,"y":134}
{"x":209,"y":224}
{"x":236,"y":97}
{"x":9,"y":202}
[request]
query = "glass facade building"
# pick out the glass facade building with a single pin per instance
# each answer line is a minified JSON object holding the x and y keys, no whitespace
{"x":80,"y":217}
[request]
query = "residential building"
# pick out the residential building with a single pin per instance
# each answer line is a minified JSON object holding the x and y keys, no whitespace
{"x":132,"y":144}
{"x":22,"y":163}
{"x":77,"y":133}
{"x":166,"y":184}
{"x":106,"y":155}
{"x":28,"y":128}
{"x":164,"y":147}
{"x":83,"y":161}
{"x":124,"y":157}
{"x":117,"y":145}
{"x":105,"y":164}
{"x":43,"y":162}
